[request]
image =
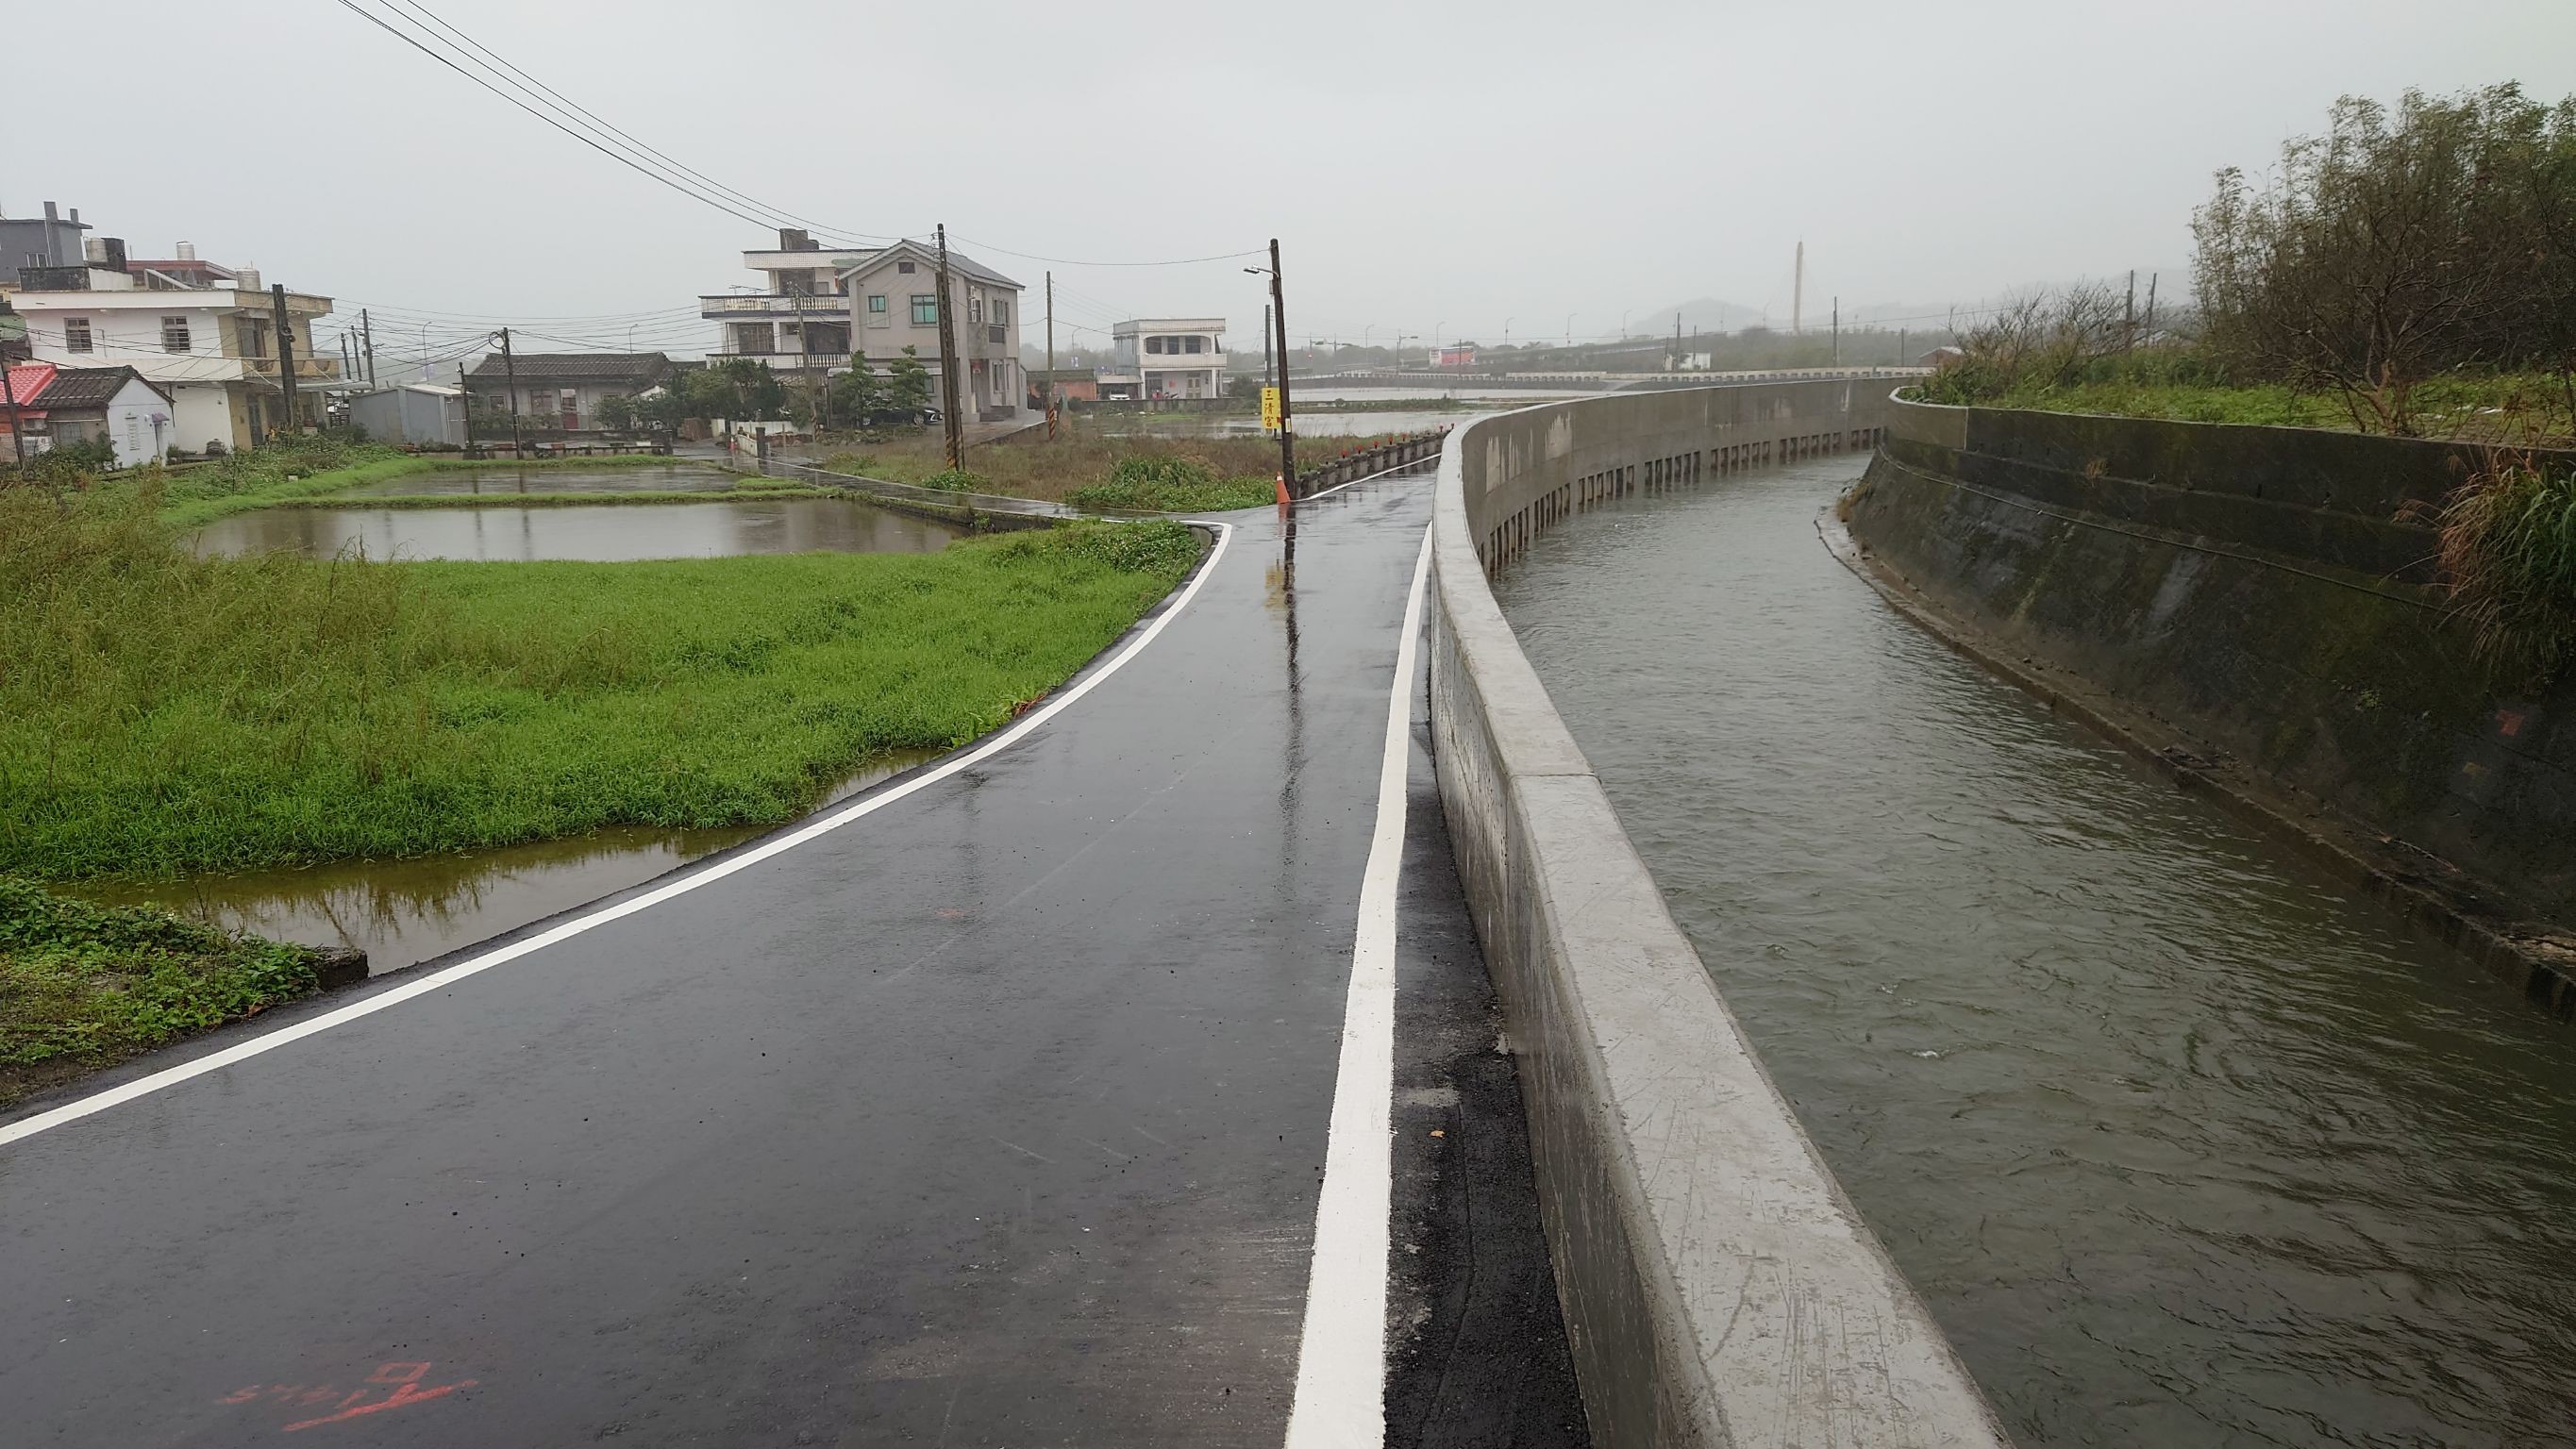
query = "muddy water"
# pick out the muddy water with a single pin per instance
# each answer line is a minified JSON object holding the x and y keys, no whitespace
{"x":403,"y":912}
{"x":609,"y":533}
{"x":2183,"y":1142}
{"x":501,"y":479}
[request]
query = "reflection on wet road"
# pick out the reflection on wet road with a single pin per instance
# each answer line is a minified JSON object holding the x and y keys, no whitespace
{"x":2182,"y":1143}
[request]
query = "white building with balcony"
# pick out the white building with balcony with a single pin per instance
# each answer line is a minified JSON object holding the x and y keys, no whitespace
{"x":201,"y":333}
{"x":1165,"y":357}
{"x":798,"y":320}
{"x":820,"y":307}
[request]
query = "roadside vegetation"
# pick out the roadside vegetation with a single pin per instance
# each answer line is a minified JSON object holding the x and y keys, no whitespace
{"x":83,"y":987}
{"x":162,"y":713}
{"x":1092,"y":469}
{"x":2412,"y":273}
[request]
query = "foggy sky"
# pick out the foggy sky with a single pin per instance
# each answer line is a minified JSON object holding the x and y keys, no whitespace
{"x":1425,"y":166}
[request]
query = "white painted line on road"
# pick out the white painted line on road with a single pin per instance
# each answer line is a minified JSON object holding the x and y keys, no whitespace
{"x":449,"y":975}
{"x":1341,"y":1361}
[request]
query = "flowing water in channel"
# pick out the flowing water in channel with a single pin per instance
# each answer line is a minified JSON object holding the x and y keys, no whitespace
{"x":2182,"y":1142}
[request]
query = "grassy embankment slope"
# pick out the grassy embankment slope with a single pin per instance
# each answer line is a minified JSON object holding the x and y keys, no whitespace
{"x":1088,"y":469}
{"x":162,"y":713}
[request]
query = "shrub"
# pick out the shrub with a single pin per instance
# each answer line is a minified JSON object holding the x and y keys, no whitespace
{"x":2509,"y":553}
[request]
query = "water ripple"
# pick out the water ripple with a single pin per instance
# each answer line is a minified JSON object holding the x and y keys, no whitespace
{"x":2182,"y":1142}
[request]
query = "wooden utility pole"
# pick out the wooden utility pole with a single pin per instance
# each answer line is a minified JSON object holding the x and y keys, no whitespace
{"x":465,"y":393}
{"x":1265,"y":346}
{"x":285,"y":354}
{"x":2151,"y":304}
{"x":948,"y":361}
{"x":1049,"y":394}
{"x":1287,"y":429}
{"x":510,"y":378}
{"x":367,"y":330}
{"x":2129,"y":314}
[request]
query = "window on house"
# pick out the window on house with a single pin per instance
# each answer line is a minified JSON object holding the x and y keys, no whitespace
{"x":1002,"y":311}
{"x":925,"y":309}
{"x":974,"y":311}
{"x":76,"y":334}
{"x":174,"y":334}
{"x":1154,"y":344}
{"x":1194,"y":344}
{"x":904,"y":267}
{"x":251,"y":334}
{"x":876,"y":301}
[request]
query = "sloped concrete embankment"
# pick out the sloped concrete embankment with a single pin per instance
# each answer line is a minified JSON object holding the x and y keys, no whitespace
{"x":1718,"y":1289}
{"x":2270,"y":595}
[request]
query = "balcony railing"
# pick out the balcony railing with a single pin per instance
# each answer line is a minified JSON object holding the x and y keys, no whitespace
{"x":315,"y":367}
{"x":774,"y":304}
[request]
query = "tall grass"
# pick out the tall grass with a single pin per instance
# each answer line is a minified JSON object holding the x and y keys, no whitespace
{"x":316,"y":467}
{"x":161,"y":713}
{"x":2509,"y":553}
{"x":1085,"y":459}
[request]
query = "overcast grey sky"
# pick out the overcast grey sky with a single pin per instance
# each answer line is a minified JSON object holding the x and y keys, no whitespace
{"x":1440,"y":165}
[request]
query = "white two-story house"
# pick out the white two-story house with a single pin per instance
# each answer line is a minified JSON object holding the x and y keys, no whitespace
{"x":1156,"y":357}
{"x":205,"y":335}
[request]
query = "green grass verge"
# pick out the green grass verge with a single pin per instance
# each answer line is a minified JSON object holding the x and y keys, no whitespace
{"x":315,"y":467}
{"x":161,"y":713}
{"x":83,"y":987}
{"x":1172,"y":485}
{"x":2512,"y":408}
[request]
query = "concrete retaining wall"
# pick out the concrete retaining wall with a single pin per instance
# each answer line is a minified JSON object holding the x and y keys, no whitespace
{"x":1718,"y":1289}
{"x":2263,"y":590}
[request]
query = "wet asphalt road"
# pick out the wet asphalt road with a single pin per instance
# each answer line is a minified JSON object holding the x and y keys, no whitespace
{"x":996,"y":1117}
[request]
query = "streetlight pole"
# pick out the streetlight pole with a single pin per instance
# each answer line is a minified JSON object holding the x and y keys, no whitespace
{"x":1569,"y":328}
{"x":1507,"y":332}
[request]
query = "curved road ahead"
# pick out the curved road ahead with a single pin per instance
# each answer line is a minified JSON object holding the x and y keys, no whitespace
{"x":991,"y":1108}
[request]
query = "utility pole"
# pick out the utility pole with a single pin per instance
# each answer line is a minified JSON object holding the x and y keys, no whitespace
{"x":285,"y":353}
{"x":1049,"y":394}
{"x":1676,"y":364}
{"x":465,"y":393}
{"x":1838,"y":331}
{"x":2151,"y":303}
{"x":2129,"y":314}
{"x":367,"y":329}
{"x":1900,"y":347}
{"x":804,"y":367}
{"x":17,"y":427}
{"x":1265,"y":346}
{"x":948,"y":361}
{"x":510,"y":376}
{"x":1798,"y":292}
{"x":1287,"y":430}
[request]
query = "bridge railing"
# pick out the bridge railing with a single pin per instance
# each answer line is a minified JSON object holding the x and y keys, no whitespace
{"x":1718,"y":1288}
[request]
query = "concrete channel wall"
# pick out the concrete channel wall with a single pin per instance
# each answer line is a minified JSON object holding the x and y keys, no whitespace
{"x":1718,"y":1288}
{"x":2270,"y":592}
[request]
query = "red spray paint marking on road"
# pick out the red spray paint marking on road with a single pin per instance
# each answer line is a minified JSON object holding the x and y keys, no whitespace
{"x":403,"y":1379}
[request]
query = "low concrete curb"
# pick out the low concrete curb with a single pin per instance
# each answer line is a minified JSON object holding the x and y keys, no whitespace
{"x":1718,"y":1288}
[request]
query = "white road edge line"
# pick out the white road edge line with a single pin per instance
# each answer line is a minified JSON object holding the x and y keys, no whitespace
{"x":1341,"y":1357}
{"x":449,"y":975}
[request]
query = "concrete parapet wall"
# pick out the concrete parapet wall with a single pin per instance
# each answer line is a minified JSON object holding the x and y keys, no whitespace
{"x":2266,"y":591}
{"x":1718,"y":1288}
